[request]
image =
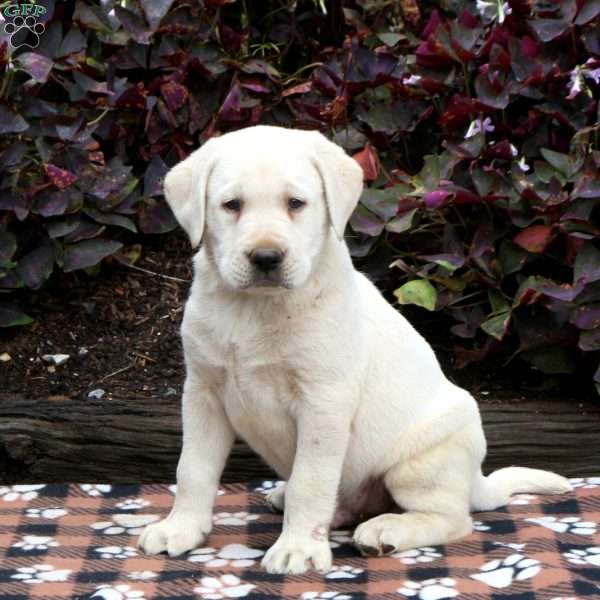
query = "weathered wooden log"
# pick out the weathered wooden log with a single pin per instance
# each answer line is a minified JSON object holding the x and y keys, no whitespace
{"x":138,"y":440}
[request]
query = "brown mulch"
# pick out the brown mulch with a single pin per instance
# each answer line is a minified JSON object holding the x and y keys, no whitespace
{"x":120,"y":330}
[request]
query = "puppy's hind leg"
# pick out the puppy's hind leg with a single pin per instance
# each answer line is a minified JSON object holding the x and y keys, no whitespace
{"x":434,"y":489}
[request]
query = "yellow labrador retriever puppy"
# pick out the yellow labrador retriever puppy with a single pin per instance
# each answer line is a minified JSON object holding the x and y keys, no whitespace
{"x":291,"y":348}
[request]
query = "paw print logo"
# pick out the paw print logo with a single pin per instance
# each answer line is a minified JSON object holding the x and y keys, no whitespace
{"x":237,"y":518}
{"x":344,"y":572}
{"x":24,"y":31}
{"x":225,"y":586}
{"x":232,"y":555}
{"x":566,"y":525}
{"x":430,"y":589}
{"x":36,"y":542}
{"x":501,"y":573}
{"x":116,"y":552}
{"x":418,"y":555}
{"x":96,"y":489}
{"x":586,"y":556}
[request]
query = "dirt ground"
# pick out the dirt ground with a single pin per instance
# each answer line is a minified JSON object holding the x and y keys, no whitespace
{"x":121,"y":334}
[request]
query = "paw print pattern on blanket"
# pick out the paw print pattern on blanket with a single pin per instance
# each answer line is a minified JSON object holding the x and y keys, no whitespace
{"x":430,"y":589}
{"x":118,"y":592}
{"x":239,"y":519}
{"x":566,"y":525}
{"x":41,"y":574}
{"x":232,"y":555}
{"x":501,"y":573}
{"x":225,"y":586}
{"x":343,"y":572}
{"x":584,"y":556}
{"x":418,"y":555}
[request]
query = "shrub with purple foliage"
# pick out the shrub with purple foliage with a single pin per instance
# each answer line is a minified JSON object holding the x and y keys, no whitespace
{"x":476,"y":124}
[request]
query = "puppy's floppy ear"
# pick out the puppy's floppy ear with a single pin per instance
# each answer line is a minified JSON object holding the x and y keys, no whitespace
{"x":185,"y":189}
{"x":342,"y":180}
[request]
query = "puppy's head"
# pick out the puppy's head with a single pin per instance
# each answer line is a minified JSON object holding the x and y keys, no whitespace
{"x":263,"y":200}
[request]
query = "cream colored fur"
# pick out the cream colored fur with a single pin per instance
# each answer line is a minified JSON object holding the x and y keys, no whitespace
{"x":319,"y":374}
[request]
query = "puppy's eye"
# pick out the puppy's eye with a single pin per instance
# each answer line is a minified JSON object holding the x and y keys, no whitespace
{"x":234,"y":205}
{"x":296,"y":204}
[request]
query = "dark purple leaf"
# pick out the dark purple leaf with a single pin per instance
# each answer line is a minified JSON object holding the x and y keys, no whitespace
{"x":587,"y":264}
{"x":156,"y":217}
{"x":436,"y":198}
{"x":36,"y":266}
{"x":535,"y":238}
{"x":230,"y":109}
{"x":589,"y":341}
{"x":134,"y":24}
{"x":88,"y":253}
{"x":586,"y":317}
{"x":590,"y":10}
{"x":155,"y":10}
{"x":11,"y":122}
{"x":60,"y":178}
{"x":8,"y":246}
{"x":36,"y":65}
{"x":364,"y":221}
{"x":154,"y":176}
{"x":548,"y":29}
{"x":175,"y":95}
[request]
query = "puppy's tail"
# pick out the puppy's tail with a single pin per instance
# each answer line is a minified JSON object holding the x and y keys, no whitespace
{"x":496,"y":489}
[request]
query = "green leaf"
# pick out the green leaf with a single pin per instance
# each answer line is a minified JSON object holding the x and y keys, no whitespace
{"x":11,"y":315}
{"x":566,"y":164}
{"x":8,"y":246}
{"x":497,"y":326}
{"x":419,"y":292}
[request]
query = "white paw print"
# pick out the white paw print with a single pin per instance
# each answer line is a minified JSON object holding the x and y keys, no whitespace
{"x":325,"y":596}
{"x":517,"y":547}
{"x":11,"y":493}
{"x":340,"y":537}
{"x":225,"y":586}
{"x":267,"y":486}
{"x":585,"y":482}
{"x":95,"y":489}
{"x":480,"y":526}
{"x":520,"y":499}
{"x":237,"y":518}
{"x":343,"y":572}
{"x":117,"y":592}
{"x":232,"y":555}
{"x":53,"y":512}
{"x":430,"y":589}
{"x":126,"y":523}
{"x":501,"y":573}
{"x":417,"y":555}
{"x":132,"y":504}
{"x":589,"y":556}
{"x":36,"y":542}
{"x":566,"y":525}
{"x":41,"y":574}
{"x":142,"y":575}
{"x":116,"y":551}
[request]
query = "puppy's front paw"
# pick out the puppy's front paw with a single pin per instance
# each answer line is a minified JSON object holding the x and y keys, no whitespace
{"x":296,"y":555}
{"x":175,"y":535}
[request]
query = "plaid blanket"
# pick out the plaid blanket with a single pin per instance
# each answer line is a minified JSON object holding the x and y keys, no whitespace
{"x":79,"y":541}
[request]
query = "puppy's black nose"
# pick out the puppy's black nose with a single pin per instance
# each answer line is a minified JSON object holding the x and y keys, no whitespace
{"x":266,"y":259}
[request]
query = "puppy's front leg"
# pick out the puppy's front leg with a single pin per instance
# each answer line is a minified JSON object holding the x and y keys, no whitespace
{"x":310,"y":495}
{"x":207,"y":440}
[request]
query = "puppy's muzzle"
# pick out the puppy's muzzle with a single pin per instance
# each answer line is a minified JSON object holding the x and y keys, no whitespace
{"x":266,"y":260}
